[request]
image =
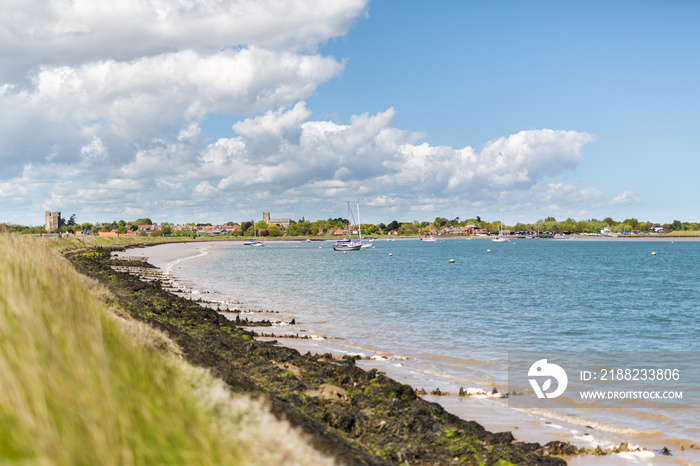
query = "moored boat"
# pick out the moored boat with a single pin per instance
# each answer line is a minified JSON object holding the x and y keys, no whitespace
{"x":347,"y":244}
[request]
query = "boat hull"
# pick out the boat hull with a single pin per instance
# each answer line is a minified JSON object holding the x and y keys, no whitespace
{"x":347,"y":247}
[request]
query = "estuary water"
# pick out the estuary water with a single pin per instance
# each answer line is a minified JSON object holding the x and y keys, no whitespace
{"x":454,"y":324}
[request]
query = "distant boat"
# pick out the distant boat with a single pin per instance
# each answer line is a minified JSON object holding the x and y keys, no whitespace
{"x":348,"y":244}
{"x":254,"y":241}
{"x":430,"y":238}
{"x":500,"y":238}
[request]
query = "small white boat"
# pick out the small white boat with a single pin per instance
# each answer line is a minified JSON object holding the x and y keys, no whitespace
{"x":500,"y":238}
{"x":348,"y":244}
{"x":254,"y":241}
{"x":428,"y":238}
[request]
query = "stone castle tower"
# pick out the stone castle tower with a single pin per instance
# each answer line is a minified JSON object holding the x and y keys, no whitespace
{"x":53,"y":220}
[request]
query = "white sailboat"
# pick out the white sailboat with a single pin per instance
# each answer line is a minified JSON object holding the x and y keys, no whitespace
{"x":254,"y":241}
{"x":348,"y":244}
{"x":500,"y":238}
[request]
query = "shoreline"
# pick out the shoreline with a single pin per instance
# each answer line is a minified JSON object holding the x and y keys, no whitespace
{"x":493,"y":413}
{"x":354,"y":415}
{"x":537,"y":428}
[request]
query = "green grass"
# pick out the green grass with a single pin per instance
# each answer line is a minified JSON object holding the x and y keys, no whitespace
{"x":81,"y":384}
{"x":684,"y":233}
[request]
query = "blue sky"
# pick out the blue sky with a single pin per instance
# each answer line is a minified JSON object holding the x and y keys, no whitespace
{"x":213,"y":112}
{"x":467,"y":72}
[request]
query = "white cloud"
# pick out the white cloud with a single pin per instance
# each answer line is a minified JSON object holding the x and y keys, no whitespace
{"x":625,"y":198}
{"x":102,"y":107}
{"x":127,"y":104}
{"x":282,"y":156}
{"x":52,"y":33}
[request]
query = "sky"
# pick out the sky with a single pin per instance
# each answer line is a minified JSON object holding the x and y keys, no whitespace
{"x":217,"y":110}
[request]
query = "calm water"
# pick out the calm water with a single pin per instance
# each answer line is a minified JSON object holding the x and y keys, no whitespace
{"x":458,"y":321}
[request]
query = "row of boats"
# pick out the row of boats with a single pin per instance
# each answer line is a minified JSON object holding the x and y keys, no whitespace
{"x":346,"y":244}
{"x":349,"y":244}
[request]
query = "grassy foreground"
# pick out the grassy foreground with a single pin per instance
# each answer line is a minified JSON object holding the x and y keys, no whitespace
{"x":83,"y":384}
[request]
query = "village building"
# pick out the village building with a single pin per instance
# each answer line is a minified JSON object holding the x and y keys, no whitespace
{"x":52,"y":220}
{"x":282,"y":222}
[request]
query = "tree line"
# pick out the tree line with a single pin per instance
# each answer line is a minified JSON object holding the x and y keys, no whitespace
{"x":303,"y":227}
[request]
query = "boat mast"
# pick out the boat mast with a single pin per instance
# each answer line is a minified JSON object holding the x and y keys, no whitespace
{"x":359,"y":224}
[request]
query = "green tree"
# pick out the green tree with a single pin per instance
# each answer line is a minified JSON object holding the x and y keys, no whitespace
{"x":121,"y":230}
{"x":633,"y":223}
{"x":408,"y":229}
{"x":314,"y":228}
{"x":370,"y":229}
{"x":569,"y":224}
{"x":440,"y":222}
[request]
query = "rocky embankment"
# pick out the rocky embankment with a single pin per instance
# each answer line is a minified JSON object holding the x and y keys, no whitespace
{"x":356,"y":416}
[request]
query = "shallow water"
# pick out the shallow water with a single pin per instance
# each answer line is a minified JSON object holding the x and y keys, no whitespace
{"x":457,"y":322}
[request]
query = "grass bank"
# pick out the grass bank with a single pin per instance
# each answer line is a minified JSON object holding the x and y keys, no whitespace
{"x":82,"y":383}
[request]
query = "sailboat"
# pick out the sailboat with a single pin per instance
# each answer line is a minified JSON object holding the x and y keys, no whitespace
{"x":348,"y":244}
{"x":500,"y":238}
{"x":254,"y":241}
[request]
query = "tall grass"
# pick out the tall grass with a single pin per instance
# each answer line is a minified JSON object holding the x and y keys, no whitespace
{"x":79,"y":386}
